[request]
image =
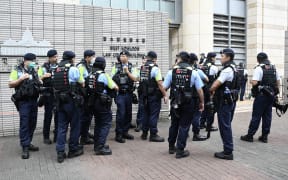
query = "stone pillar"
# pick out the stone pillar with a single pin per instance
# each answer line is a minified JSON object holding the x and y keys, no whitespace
{"x":197,"y":26}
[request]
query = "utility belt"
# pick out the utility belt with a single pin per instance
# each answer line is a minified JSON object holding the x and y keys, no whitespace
{"x":73,"y":94}
{"x":263,"y":90}
{"x":104,"y":99}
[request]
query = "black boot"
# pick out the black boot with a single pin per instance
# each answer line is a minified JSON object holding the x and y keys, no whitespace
{"x":47,"y":141}
{"x":128,"y":136}
{"x":172,"y":149}
{"x":138,"y":128}
{"x":247,"y":138}
{"x":181,"y":153}
{"x":102,"y":150}
{"x":144,"y":135}
{"x":33,"y":148}
{"x":223,"y":155}
{"x":91,"y":136}
{"x":132,"y":126}
{"x":75,"y":153}
{"x":86,"y":141}
{"x":25,"y":153}
{"x":212,"y":129}
{"x":119,"y":138}
{"x":156,"y":138}
{"x":198,"y":137}
{"x":263,"y":138}
{"x":61,"y":156}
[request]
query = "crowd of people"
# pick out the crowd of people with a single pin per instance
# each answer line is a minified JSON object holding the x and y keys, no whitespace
{"x":77,"y":93}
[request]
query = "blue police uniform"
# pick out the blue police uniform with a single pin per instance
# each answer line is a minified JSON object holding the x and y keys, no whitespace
{"x":49,"y":102}
{"x":181,"y":123}
{"x":123,"y":100}
{"x":25,"y":99}
{"x":264,"y":92}
{"x":69,"y":114}
{"x":85,"y":114}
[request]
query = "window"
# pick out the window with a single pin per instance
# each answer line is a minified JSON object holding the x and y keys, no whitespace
{"x":136,"y":4}
{"x":152,"y":5}
{"x":102,"y":3}
{"x":86,"y":2}
{"x":169,"y":7}
{"x":122,"y":4}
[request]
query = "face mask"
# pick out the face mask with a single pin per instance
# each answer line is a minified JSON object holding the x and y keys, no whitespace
{"x":92,"y":62}
{"x":32,"y":65}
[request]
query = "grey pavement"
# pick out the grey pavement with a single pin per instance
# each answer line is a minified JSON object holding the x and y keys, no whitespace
{"x":145,"y":160}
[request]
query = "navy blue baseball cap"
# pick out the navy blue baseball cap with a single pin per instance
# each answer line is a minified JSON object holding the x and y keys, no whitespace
{"x":193,"y":57}
{"x":29,"y":57}
{"x":151,"y":55}
{"x":89,"y":53}
{"x":184,"y":56}
{"x":211,"y":55}
{"x":125,"y":52}
{"x":262,"y":56}
{"x":68,"y":55}
{"x":51,"y":53}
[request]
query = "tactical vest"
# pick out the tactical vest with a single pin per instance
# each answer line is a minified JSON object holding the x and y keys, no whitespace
{"x":47,"y":82}
{"x":94,"y":86}
{"x":241,"y":74}
{"x":29,"y":88}
{"x":269,"y":76}
{"x":60,"y":77}
{"x":122,"y":80}
{"x":206,"y":69}
{"x":233,"y":87}
{"x":181,"y":83}
{"x":148,"y":86}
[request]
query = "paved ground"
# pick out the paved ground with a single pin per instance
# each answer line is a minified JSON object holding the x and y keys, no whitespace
{"x":144,"y":160}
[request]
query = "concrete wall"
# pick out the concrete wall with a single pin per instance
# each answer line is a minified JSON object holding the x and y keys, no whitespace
{"x":266,"y":25}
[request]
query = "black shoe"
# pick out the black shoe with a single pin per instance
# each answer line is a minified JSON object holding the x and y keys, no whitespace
{"x":55,"y":138}
{"x":247,"y":138}
{"x":222,"y":155}
{"x":198,"y":137}
{"x":61,"y":156}
{"x":212,"y":129}
{"x":202,"y":126}
{"x":263,"y":139}
{"x":33,"y":148}
{"x":144,"y":135}
{"x":132,"y":126}
{"x":47,"y":141}
{"x":75,"y":153}
{"x":91,"y":136}
{"x":103,"y":150}
{"x":119,"y":138}
{"x":128,"y":136}
{"x":86,"y":141}
{"x":172,"y":149}
{"x":138,"y":128}
{"x":25,"y":153}
{"x":182,"y":153}
{"x":156,"y":138}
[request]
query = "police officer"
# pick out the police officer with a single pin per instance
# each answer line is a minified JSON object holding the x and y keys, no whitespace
{"x":224,"y":91}
{"x":124,"y":75}
{"x":211,"y":70}
{"x":65,"y":80}
{"x":47,"y":97}
{"x":181,"y":79}
{"x":265,"y":84}
{"x":25,"y":80}
{"x":100,"y":100}
{"x":140,"y":111}
{"x":243,"y":74}
{"x":197,"y":113}
{"x":152,"y":92}
{"x":84,"y":67}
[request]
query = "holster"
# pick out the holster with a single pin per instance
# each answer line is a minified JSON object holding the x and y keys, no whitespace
{"x":105,"y":100}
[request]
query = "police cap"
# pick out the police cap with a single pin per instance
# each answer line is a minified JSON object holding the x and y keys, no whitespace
{"x":100,"y":62}
{"x":229,"y":52}
{"x":89,"y":53}
{"x":262,"y":56}
{"x":211,"y":55}
{"x":68,"y":55}
{"x":125,"y":52}
{"x":51,"y":53}
{"x":193,"y":57}
{"x":151,"y":55}
{"x":30,"y":57}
